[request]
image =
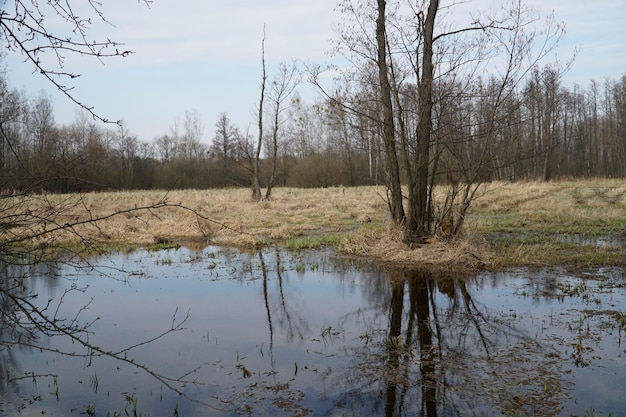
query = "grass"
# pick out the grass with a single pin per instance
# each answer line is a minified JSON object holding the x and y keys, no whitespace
{"x":580,"y":223}
{"x":527,"y":223}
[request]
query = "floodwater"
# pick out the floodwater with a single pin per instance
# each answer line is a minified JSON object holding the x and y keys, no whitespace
{"x":217,"y":332}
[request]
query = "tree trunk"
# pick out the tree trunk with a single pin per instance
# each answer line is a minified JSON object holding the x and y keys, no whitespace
{"x":274,"y":150}
{"x":419,"y":213}
{"x":389,"y":139}
{"x":256,"y":164}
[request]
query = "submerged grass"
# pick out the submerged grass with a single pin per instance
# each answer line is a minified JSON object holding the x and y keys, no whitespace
{"x":527,"y":223}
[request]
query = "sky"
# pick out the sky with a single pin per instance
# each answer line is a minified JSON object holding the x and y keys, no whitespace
{"x":205,"y":56}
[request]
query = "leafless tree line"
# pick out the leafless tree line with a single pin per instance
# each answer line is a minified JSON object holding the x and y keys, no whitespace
{"x":546,"y":130}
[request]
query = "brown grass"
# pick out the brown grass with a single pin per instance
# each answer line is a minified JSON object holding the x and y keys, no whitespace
{"x":555,"y":223}
{"x":588,"y":207}
{"x":223,"y":217}
{"x":358,"y":217}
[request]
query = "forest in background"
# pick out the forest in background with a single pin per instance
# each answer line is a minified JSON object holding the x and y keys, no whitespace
{"x":546,"y":131}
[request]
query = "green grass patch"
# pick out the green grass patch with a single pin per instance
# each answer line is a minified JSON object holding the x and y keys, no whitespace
{"x":313,"y":241}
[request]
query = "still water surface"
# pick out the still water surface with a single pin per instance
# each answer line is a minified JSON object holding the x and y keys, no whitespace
{"x":276,"y":333}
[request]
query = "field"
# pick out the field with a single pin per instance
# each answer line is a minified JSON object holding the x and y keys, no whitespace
{"x":580,"y":223}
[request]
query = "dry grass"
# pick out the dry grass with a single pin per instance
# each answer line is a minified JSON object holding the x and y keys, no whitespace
{"x":561,"y":222}
{"x":388,"y":246}
{"x":223,"y":217}
{"x":358,"y":220}
{"x":588,"y":207}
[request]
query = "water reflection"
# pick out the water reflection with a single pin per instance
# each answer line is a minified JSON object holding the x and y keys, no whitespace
{"x":278,"y":333}
{"x":446,"y":354}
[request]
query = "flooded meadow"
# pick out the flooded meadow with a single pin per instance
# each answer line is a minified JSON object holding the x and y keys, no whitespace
{"x":220,"y":332}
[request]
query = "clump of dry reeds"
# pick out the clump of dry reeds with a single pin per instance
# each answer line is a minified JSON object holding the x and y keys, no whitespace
{"x":390,"y":246}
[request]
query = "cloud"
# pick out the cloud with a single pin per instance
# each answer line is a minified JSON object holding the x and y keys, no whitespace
{"x":223,"y":32}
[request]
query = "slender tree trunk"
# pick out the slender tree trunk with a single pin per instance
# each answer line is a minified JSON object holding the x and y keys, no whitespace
{"x":389,"y":139}
{"x":256,"y":164}
{"x":419,"y":213}
{"x":274,"y":158}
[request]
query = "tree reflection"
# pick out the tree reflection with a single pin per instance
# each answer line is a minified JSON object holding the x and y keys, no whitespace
{"x":445,"y":354}
{"x":290,"y":322}
{"x":400,"y":355}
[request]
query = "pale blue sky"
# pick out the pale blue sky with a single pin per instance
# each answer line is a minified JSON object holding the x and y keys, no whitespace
{"x":204,"y":55}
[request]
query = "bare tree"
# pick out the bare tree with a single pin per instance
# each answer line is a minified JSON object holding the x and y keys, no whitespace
{"x":224,"y":146}
{"x":422,"y":63}
{"x":193,"y":130}
{"x":11,"y":118}
{"x":43,"y":137}
{"x":256,"y":157}
{"x":283,"y":85}
{"x":127,"y":145}
{"x":166,"y":147}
